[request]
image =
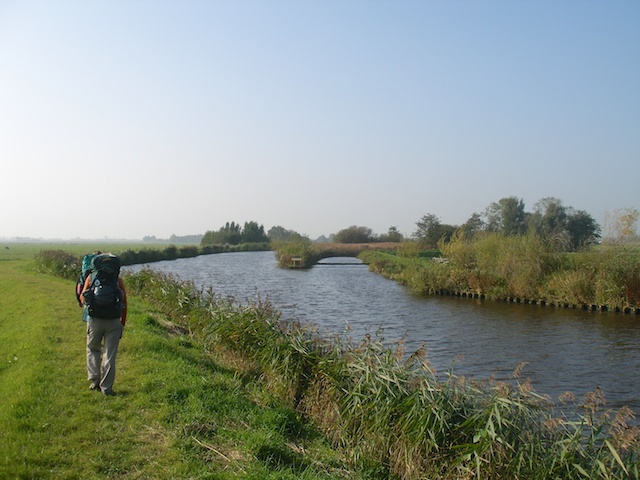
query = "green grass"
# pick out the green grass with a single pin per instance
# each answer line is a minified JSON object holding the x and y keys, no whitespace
{"x":178,"y":413}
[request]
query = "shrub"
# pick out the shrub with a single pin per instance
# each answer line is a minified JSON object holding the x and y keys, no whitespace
{"x":522,"y":266}
{"x":59,"y":263}
{"x":188,"y":251}
{"x":301,"y":248}
{"x":170,"y":252}
{"x":355,"y":234}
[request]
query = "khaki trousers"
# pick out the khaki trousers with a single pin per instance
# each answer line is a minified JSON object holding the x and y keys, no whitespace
{"x":103,"y":338}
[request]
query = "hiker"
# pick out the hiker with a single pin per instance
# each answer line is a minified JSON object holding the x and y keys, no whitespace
{"x":104,"y":299}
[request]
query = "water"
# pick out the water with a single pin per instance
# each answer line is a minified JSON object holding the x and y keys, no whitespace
{"x":566,"y":350}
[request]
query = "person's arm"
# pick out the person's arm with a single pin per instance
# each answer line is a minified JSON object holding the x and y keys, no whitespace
{"x":123,"y":318}
{"x":79,"y":293}
{"x":85,"y":287}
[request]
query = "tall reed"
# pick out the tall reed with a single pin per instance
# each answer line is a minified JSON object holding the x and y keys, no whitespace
{"x":524,"y":267}
{"x":498,"y":265}
{"x":390,"y":413}
{"x":606,"y":275}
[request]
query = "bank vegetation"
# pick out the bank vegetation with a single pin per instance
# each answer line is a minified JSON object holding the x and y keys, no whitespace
{"x":518,"y":268}
{"x":385,"y":411}
{"x":388,"y":413}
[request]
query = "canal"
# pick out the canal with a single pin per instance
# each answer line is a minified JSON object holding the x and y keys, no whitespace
{"x":564,"y":350}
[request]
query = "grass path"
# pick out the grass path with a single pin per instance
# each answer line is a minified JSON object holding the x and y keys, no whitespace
{"x":177,"y":413}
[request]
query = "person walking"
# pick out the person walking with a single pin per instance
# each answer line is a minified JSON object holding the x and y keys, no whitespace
{"x":104,"y":298}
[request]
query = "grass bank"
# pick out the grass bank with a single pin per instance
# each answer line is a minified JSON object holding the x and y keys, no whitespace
{"x":180,"y":411}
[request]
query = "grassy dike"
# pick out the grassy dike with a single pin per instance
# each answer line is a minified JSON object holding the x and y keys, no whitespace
{"x":179,"y":412}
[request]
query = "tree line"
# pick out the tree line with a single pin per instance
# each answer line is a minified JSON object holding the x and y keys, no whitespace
{"x":232,"y":233}
{"x":563,"y":226}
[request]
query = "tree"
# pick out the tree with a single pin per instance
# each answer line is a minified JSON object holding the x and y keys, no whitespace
{"x":506,"y":216}
{"x":493,"y":217}
{"x":582,"y":229}
{"x":393,"y":235}
{"x":355,"y":234}
{"x":563,"y":227}
{"x":513,"y":216}
{"x":431,"y":230}
{"x":551,"y":215}
{"x":279,"y":233}
{"x":472,"y":226}
{"x":230,"y":233}
{"x":549,"y":221}
{"x":621,"y":225}
{"x":253,"y":233}
{"x":428,"y":229}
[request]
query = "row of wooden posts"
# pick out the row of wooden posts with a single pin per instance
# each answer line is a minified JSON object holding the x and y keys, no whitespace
{"x":543,"y":303}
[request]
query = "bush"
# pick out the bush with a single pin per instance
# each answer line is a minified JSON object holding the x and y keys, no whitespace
{"x":188,"y":251}
{"x":355,"y":234}
{"x":59,"y":263}
{"x":301,"y":248}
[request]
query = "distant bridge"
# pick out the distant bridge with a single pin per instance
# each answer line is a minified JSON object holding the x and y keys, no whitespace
{"x":328,"y":250}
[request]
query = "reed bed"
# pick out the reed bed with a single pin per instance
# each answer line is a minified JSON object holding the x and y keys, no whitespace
{"x":520,"y":267}
{"x":389,"y":414}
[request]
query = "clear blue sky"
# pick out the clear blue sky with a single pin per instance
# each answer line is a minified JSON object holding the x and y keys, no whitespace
{"x":129,"y":118}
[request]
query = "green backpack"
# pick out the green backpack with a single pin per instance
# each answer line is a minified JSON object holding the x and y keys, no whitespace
{"x":104,"y":299}
{"x":84,"y":273}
